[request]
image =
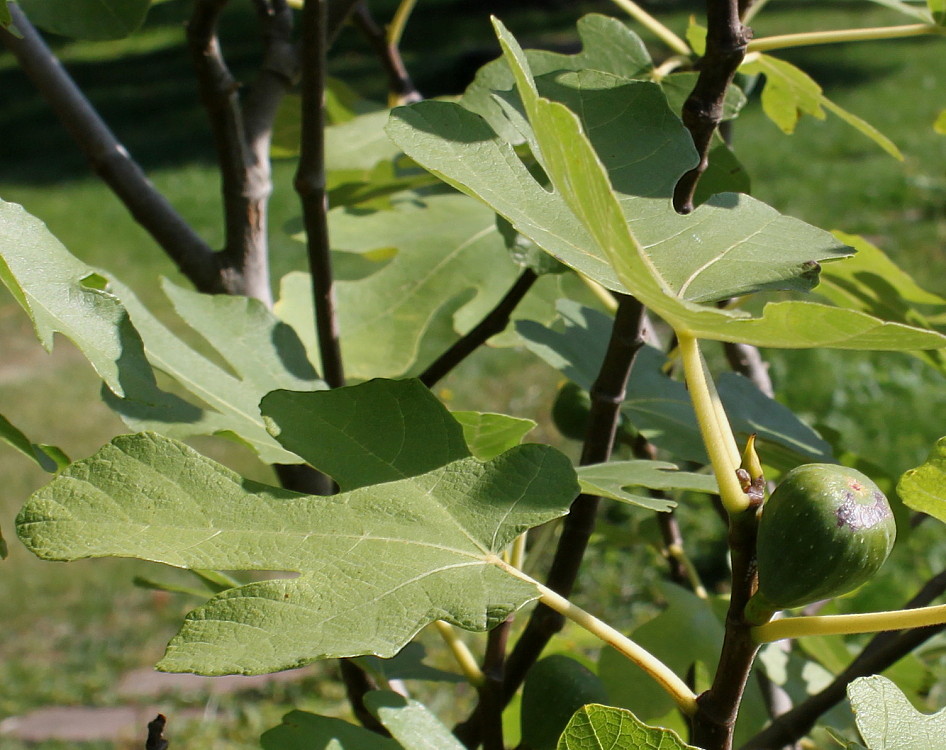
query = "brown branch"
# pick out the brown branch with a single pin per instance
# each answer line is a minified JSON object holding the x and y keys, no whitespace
{"x":310,"y":184}
{"x":156,"y":739}
{"x":726,"y":40}
{"x":400,"y":85}
{"x":110,"y":160}
{"x":494,"y":322}
{"x":357,"y":685}
{"x":244,"y":171}
{"x":718,"y":707}
{"x":607,"y":395}
{"x":881,"y":652}
{"x":746,"y":360}
{"x":491,"y":693}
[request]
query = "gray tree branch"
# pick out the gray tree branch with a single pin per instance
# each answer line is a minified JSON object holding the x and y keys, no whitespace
{"x":110,"y":160}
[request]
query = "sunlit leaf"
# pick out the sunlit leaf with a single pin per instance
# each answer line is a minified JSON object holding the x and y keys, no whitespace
{"x":617,"y":480}
{"x":87,"y":19}
{"x":789,"y":93}
{"x":63,"y":295}
{"x":596,"y":727}
{"x":410,"y":722}
{"x":47,"y":457}
{"x":888,"y":721}
{"x":375,"y":565}
{"x":261,"y":353}
{"x":924,"y":488}
{"x":489,"y":434}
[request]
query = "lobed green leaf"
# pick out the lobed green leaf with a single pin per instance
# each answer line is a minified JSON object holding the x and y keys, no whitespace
{"x":410,"y":722}
{"x":888,"y":721}
{"x":616,"y":480}
{"x":597,"y":727}
{"x":924,"y":488}
{"x":375,"y":565}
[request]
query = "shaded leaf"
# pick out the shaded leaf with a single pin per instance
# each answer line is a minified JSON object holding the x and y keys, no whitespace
{"x":47,"y":457}
{"x":376,"y":564}
{"x":924,"y":488}
{"x":262,"y":352}
{"x":488,"y":434}
{"x":452,"y":273}
{"x":659,"y":406}
{"x":301,"y":730}
{"x":888,"y":721}
{"x":617,"y":479}
{"x":608,"y":45}
{"x":790,"y":92}
{"x":370,"y":433}
{"x":597,"y":727}
{"x":5,"y":19}
{"x":410,"y":722}
{"x":407,"y":664}
{"x":87,"y":19}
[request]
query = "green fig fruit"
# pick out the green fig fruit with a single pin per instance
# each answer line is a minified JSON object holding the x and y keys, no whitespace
{"x":825,"y":530}
{"x":555,"y":688}
{"x":571,"y":410}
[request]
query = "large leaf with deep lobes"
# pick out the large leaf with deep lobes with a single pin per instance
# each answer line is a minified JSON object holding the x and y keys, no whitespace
{"x":375,"y":565}
{"x":584,"y":221}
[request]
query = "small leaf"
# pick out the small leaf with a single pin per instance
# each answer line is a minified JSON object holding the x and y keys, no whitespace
{"x":790,"y":92}
{"x":5,"y":19}
{"x":924,"y":488}
{"x":488,"y":434}
{"x":410,"y":722}
{"x":939,"y":125}
{"x":596,"y":727}
{"x":888,"y":721}
{"x":365,"y":434}
{"x":615,"y":480}
{"x":301,"y":730}
{"x":50,"y":285}
{"x":48,"y":457}
{"x":376,"y":564}
{"x":87,"y":19}
{"x":937,"y":10}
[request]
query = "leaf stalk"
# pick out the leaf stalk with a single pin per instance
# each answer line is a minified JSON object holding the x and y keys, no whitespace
{"x":808,"y":38}
{"x":654,"y":26}
{"x":461,"y":653}
{"x":868,"y":622}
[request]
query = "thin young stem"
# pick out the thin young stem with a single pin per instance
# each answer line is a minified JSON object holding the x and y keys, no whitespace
{"x":461,"y":653}
{"x":714,"y":427}
{"x":494,"y":322}
{"x":666,"y":678}
{"x":726,"y":40}
{"x":401,"y":89}
{"x":654,"y":26}
{"x":110,"y":160}
{"x":399,"y":22}
{"x":883,"y":650}
{"x":310,"y":184}
{"x":867,"y":622}
{"x":808,"y":38}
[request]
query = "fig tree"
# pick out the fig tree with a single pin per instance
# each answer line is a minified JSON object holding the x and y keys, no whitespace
{"x":825,"y":530}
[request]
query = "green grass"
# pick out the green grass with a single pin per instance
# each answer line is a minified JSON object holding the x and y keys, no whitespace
{"x":71,"y":630}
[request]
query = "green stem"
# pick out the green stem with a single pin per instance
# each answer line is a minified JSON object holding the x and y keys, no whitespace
{"x":682,"y":695}
{"x":714,"y":425}
{"x":804,"y":39}
{"x":461,"y":652}
{"x":399,"y":21}
{"x":869,"y":622}
{"x":654,"y":26}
